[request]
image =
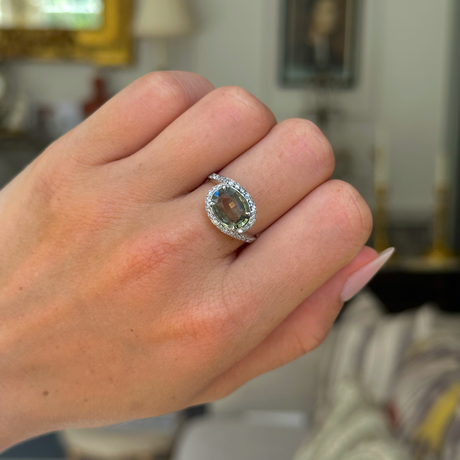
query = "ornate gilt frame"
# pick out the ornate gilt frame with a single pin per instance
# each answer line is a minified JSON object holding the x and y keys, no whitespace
{"x":110,"y":45}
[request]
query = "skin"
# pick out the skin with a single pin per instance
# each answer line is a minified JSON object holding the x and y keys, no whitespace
{"x":118,"y":297}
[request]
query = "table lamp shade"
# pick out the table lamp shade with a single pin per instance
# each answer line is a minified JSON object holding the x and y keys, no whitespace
{"x":162,"y":19}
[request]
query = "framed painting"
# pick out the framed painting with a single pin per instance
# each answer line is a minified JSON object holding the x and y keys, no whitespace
{"x":319,"y":42}
{"x":98,"y":31}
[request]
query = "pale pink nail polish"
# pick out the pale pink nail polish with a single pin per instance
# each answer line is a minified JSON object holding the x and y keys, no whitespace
{"x":360,"y":278}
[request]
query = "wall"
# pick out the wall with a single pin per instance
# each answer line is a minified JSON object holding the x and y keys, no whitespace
{"x":413,"y":100}
{"x":402,"y":86}
{"x":53,"y":81}
{"x":403,"y":75}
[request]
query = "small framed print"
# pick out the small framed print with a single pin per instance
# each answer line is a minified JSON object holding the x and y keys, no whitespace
{"x":319,"y":42}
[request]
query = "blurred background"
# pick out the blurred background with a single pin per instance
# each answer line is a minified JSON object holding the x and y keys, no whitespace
{"x":382,"y":80}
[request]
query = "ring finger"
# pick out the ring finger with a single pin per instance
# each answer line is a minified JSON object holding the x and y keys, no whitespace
{"x":280,"y":170}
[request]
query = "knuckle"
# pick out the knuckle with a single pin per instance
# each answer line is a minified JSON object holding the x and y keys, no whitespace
{"x":303,"y":136}
{"x":52,"y":180}
{"x":352,"y":214}
{"x":303,"y":344}
{"x":151,"y":255}
{"x":147,"y":255}
{"x":231,"y":300}
{"x":211,"y":322}
{"x":217,"y":319}
{"x":231,"y":319}
{"x":208,"y":328}
{"x":314,"y":339}
{"x":164,"y":87}
{"x":245,"y":107}
{"x":195,"y":325}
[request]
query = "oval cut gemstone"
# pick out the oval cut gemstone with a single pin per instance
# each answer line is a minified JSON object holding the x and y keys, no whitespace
{"x":230,"y":207}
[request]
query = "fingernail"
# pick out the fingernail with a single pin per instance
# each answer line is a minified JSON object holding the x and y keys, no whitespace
{"x":360,"y":278}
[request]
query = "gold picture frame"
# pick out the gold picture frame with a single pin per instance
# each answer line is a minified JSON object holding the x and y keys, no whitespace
{"x":108,"y":46}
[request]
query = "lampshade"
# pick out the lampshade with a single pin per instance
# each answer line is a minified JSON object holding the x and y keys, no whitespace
{"x":162,"y":19}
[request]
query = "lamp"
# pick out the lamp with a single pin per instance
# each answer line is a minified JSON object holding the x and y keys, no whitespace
{"x":160,"y":20}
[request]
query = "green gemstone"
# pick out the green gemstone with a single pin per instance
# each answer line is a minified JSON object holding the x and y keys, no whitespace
{"x":230,"y":207}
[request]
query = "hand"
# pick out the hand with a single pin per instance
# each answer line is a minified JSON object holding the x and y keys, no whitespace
{"x":118,"y":297}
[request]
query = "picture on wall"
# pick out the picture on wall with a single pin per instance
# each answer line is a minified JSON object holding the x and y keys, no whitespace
{"x":319,"y":42}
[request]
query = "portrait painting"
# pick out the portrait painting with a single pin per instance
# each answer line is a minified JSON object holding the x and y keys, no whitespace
{"x":319,"y":42}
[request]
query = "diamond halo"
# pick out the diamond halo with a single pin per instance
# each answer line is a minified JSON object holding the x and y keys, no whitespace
{"x":237,"y":232}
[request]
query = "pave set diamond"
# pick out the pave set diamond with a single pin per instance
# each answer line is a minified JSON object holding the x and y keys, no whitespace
{"x":231,"y":208}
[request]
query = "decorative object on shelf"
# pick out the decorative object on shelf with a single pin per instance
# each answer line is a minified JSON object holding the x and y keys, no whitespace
{"x":98,"y":98}
{"x":440,"y":254}
{"x":15,"y":120}
{"x":381,"y":180}
{"x":14,"y":104}
{"x":320,"y":40}
{"x":91,"y":30}
{"x":3,"y":86}
{"x":66,"y":115}
{"x":161,"y":20}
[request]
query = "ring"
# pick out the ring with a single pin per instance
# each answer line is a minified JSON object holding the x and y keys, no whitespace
{"x":231,"y":208}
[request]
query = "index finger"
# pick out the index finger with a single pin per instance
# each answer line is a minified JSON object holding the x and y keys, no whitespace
{"x":134,"y":117}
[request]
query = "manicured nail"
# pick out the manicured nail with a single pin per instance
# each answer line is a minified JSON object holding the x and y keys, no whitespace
{"x":360,"y":278}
